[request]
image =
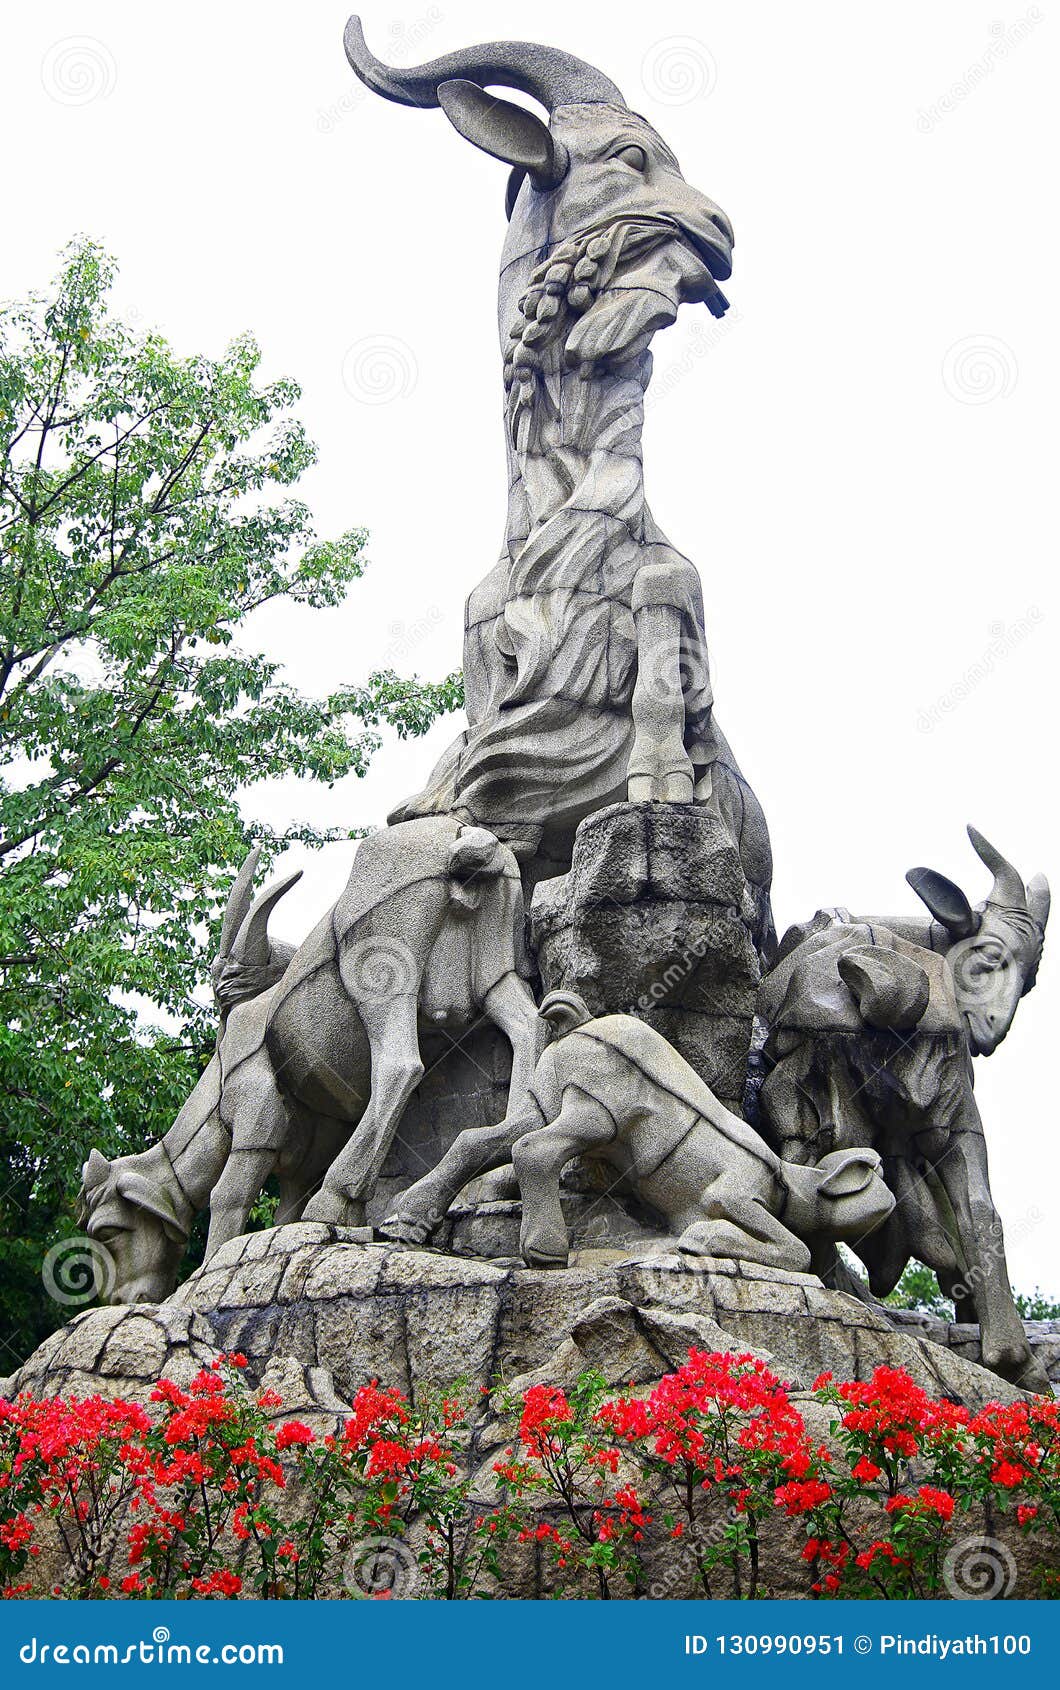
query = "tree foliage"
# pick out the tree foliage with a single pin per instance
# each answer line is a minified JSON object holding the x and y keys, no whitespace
{"x":919,"y":1289}
{"x":145,"y":512}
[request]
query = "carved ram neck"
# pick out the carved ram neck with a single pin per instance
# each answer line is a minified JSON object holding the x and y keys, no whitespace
{"x":589,"y":273}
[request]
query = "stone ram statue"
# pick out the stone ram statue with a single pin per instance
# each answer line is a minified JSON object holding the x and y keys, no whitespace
{"x":312,"y":1074}
{"x":585,"y":655}
{"x":612,"y":1089}
{"x":872,"y":1027}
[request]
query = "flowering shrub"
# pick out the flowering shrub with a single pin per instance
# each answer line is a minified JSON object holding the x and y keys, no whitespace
{"x":564,"y":1456}
{"x":206,"y":1494}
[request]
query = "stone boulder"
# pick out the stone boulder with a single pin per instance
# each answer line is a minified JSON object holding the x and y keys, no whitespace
{"x":342,"y":1312}
{"x":656,"y":919}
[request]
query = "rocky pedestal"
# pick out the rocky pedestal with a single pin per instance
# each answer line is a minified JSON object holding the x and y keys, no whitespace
{"x":318,"y":1313}
{"x":316,"y":1299}
{"x":655,"y":919}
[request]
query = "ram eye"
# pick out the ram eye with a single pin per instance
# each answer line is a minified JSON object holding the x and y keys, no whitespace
{"x":635,"y":157}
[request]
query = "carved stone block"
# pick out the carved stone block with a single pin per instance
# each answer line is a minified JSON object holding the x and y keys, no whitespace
{"x":654,"y":919}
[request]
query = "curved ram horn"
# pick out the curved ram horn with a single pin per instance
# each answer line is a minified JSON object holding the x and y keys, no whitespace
{"x":251,"y":947}
{"x":1038,"y":898}
{"x":563,"y":1012}
{"x":844,"y":1173}
{"x":95,"y":1170}
{"x":546,"y":74}
{"x":238,"y":903}
{"x":1008,"y":889}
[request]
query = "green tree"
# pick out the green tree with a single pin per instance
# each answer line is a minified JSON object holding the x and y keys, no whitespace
{"x":140,"y":524}
{"x":919,"y":1289}
{"x":1035,"y":1305}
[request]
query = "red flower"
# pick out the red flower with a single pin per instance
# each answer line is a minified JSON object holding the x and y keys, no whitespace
{"x":15,"y":1532}
{"x":880,"y":1547}
{"x":938,"y":1502}
{"x":371,"y":1408}
{"x":389,"y":1457}
{"x":800,"y":1496}
{"x":865,"y":1471}
{"x":220,"y":1583}
{"x":294,"y":1432}
{"x":544,"y":1408}
{"x":1008,"y":1474}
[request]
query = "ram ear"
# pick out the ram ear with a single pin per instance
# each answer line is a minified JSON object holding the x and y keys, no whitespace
{"x":143,"y":1195}
{"x":946,"y":902}
{"x":505,"y":131}
{"x":846,"y":1172}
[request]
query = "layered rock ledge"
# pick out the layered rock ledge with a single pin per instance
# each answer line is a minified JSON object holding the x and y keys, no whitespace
{"x":341,"y":1311}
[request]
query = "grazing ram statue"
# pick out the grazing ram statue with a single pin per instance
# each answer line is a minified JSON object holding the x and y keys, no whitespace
{"x":312,"y":1074}
{"x":872,"y":1027}
{"x":612,"y":1089}
{"x":585,"y":656}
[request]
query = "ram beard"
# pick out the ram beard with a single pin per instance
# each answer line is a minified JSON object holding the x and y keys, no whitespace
{"x":644,"y":271}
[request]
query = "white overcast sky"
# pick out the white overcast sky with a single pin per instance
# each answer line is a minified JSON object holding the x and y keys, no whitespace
{"x":860,"y":460}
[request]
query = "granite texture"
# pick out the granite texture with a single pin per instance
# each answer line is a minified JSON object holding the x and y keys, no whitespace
{"x":871,"y":1030}
{"x":656,"y":919}
{"x":315,"y":1296}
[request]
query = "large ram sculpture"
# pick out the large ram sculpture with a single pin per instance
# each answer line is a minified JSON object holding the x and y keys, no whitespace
{"x":312,"y":1073}
{"x":585,"y":653}
{"x":872,"y":1028}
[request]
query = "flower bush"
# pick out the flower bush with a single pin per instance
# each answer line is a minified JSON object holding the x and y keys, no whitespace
{"x":208,"y":1492}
